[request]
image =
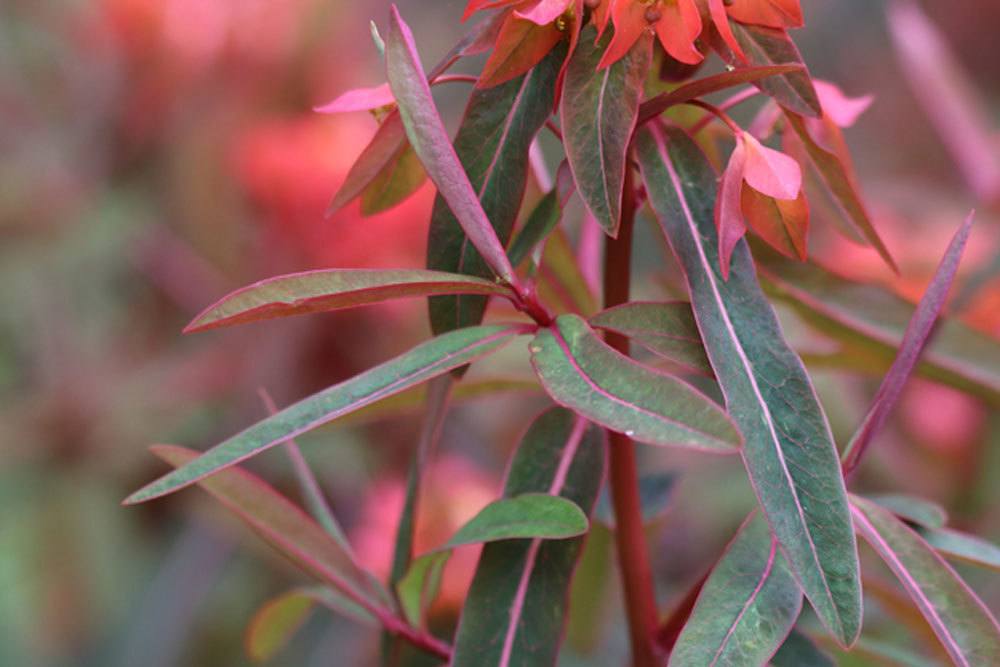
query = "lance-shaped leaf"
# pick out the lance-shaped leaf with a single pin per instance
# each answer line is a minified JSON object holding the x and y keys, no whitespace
{"x":420,"y":585}
{"x":528,"y":515}
{"x":789,"y":450}
{"x":800,"y":651}
{"x":284,"y":525}
{"x":430,"y":141}
{"x":962,"y":546}
{"x":746,"y":608}
{"x":873,"y":319}
{"x":581,"y":372}
{"x":598,"y":112}
{"x":963,"y":624}
{"x":424,"y":362}
{"x":516,"y":607}
{"x":492,"y":143}
{"x":772,"y":46}
{"x":275,"y":623}
{"x":914,"y":341}
{"x":654,"y":106}
{"x":837,"y":175}
{"x":666,"y":329}
{"x":915,"y":510}
{"x":543,"y":218}
{"x":333,"y":289}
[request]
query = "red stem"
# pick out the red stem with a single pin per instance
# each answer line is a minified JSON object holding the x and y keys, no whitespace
{"x":633,"y":554}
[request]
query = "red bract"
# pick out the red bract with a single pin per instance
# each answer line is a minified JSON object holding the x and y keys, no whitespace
{"x":677,"y":24}
{"x":770,"y":13}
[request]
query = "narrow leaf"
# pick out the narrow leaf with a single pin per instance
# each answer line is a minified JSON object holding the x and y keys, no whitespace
{"x":430,"y":141}
{"x":962,"y":546}
{"x":789,"y":451}
{"x":282,"y":524}
{"x":838,"y":178}
{"x":402,"y":175}
{"x":598,"y":113}
{"x":783,"y":224}
{"x":746,"y":608}
{"x":872,"y":318}
{"x":653,"y":107}
{"x":275,"y":623}
{"x":419,"y":586}
{"x":581,"y":372}
{"x":333,"y":289}
{"x":667,"y":329}
{"x":528,"y":515}
{"x":422,"y":363}
{"x":543,"y":218}
{"x":515,"y":611}
{"x":915,"y":510}
{"x":492,"y":143}
{"x":770,"y":46}
{"x":912,"y":346}
{"x":963,"y":624}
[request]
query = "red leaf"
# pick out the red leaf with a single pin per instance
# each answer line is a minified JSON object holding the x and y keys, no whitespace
{"x":717,"y":9}
{"x":769,"y":171}
{"x":770,"y":13}
{"x":520,"y":46}
{"x":784,"y":224}
{"x":359,"y":99}
{"x":728,"y":213}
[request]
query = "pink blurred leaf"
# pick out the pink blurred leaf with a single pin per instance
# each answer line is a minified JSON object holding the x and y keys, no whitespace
{"x":359,"y":99}
{"x":770,"y":172}
{"x":947,"y":97}
{"x":916,"y":338}
{"x":841,"y":109}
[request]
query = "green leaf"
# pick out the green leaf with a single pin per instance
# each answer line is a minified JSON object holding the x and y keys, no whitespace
{"x":492,"y":144}
{"x":424,"y":362}
{"x":543,"y":218}
{"x":583,"y":373}
{"x":386,"y":172}
{"x":963,"y":624}
{"x":655,"y":490}
{"x":275,"y":623}
{"x":870,"y":318}
{"x":772,"y":46}
{"x":838,"y":178}
{"x":789,"y":451}
{"x":430,"y":141}
{"x":916,"y":510}
{"x":515,"y":610}
{"x":800,"y":651}
{"x":283,"y":525}
{"x":526,"y":516}
{"x":332,"y":289}
{"x":419,"y":586}
{"x":667,"y":329}
{"x":746,"y":608}
{"x":598,"y":113}
{"x":961,"y":546}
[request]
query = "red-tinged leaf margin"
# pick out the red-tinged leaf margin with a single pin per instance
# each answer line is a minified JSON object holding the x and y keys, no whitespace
{"x":839,"y":180}
{"x":521,"y":45}
{"x":916,"y":338}
{"x":284,"y":525}
{"x":868,"y":518}
{"x":430,"y":141}
{"x":332,"y":289}
{"x":653,"y":107}
{"x":424,"y":362}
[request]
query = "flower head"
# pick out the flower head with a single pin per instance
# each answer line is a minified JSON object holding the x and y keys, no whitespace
{"x":677,"y":24}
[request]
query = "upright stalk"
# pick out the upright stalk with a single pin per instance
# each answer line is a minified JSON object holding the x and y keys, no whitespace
{"x":633,"y":554}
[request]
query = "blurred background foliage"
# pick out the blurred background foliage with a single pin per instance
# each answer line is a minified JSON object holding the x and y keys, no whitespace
{"x":155,"y":154}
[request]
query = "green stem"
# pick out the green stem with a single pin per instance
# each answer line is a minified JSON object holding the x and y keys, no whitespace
{"x":633,"y":554}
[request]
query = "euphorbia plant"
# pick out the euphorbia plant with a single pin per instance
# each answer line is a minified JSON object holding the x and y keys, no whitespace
{"x":585,"y":70}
